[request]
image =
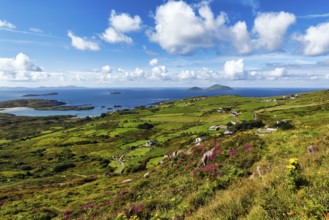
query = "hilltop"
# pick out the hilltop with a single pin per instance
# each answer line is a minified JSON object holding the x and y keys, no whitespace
{"x":223,"y":157}
{"x":215,"y":87}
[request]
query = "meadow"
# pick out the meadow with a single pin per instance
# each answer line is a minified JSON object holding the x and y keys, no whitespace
{"x":267,"y":159}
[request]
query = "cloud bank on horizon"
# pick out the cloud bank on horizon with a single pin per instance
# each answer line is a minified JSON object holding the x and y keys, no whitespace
{"x":176,"y":43}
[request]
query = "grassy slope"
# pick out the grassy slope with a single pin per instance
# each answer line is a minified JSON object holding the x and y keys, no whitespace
{"x":66,"y":168}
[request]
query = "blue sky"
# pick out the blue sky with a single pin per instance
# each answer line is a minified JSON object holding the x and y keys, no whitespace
{"x":129,"y":43}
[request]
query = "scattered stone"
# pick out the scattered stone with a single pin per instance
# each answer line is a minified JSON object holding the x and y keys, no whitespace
{"x":312,"y":149}
{"x":126,"y":181}
{"x":146,"y":175}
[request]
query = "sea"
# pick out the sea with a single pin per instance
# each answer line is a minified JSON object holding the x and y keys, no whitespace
{"x":107,"y":99}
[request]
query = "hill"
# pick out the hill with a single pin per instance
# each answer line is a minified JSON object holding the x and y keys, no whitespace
{"x":195,"y":88}
{"x":174,"y":160}
{"x":218,"y":87}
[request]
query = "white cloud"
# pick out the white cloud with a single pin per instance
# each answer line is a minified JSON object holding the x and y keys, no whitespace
{"x":275,"y":74}
{"x":187,"y":75}
{"x":234,"y":69}
{"x":20,"y":63}
{"x":112,"y":36}
{"x":137,"y":74}
{"x":316,"y":40}
{"x":271,"y":28}
{"x":6,"y":24}
{"x":241,"y":39}
{"x":20,"y":68}
{"x":159,"y":73}
{"x":82,"y":43}
{"x":123,"y":23}
{"x":179,"y":30}
{"x":106,"y":69}
{"x":120,"y":24}
{"x":36,"y":30}
{"x":159,"y":70}
{"x":153,"y":62}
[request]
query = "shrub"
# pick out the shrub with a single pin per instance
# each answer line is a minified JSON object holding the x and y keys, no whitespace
{"x":146,"y":126}
{"x":63,"y":167}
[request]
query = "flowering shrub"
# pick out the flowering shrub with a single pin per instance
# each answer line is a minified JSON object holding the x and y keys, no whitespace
{"x":215,"y":151}
{"x":67,"y":214}
{"x":232,"y":152}
{"x":88,"y":206}
{"x":248,"y":147}
{"x":293,"y":172}
{"x":210,"y":170}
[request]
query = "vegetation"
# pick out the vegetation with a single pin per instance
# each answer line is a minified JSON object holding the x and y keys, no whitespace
{"x":101,"y":168}
{"x":41,"y":104}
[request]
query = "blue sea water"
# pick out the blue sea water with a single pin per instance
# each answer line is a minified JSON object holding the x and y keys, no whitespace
{"x":103,"y":100}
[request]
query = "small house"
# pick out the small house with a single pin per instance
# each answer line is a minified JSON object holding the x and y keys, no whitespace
{"x":150,"y":144}
{"x":228,"y":132}
{"x":198,"y":141}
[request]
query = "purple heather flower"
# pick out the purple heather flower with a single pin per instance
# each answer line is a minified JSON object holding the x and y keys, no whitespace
{"x":136,"y":208}
{"x":248,"y":147}
{"x":232,"y":152}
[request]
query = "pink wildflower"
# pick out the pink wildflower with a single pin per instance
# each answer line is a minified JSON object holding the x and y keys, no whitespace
{"x":248,"y":147}
{"x":232,"y":152}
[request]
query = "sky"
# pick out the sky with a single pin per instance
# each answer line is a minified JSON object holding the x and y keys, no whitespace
{"x":160,"y":43}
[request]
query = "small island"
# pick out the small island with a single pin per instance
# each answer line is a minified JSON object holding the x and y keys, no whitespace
{"x":195,"y":89}
{"x":42,"y":104}
{"x":215,"y":87}
{"x":115,"y":93}
{"x":46,"y":94}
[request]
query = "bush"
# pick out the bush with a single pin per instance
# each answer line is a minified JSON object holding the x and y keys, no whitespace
{"x":63,"y":167}
{"x":246,"y":125}
{"x":146,"y":126}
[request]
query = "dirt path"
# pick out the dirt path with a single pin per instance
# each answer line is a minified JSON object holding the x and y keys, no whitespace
{"x":122,"y":166}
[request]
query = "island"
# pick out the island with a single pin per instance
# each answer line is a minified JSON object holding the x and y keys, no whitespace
{"x":218,"y":87}
{"x":195,"y":89}
{"x":215,"y":87}
{"x":45,"y":94}
{"x":42,"y":104}
{"x":115,"y":93}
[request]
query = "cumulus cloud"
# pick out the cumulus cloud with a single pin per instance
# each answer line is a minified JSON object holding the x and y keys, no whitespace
{"x":120,"y":24}
{"x":271,"y":29}
{"x":316,"y":40}
{"x":82,"y":43}
{"x":275,"y":74}
{"x":187,"y":74}
{"x":106,"y":69}
{"x":153,"y":62}
{"x":180,"y":30}
{"x":20,"y":68}
{"x":241,"y":39}
{"x":159,"y":72}
{"x":234,"y":69}
{"x":6,"y":24}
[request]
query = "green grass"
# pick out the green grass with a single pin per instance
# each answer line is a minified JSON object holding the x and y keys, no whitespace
{"x":92,"y":186}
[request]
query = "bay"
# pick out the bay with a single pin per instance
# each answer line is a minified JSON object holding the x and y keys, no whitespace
{"x":110,"y":99}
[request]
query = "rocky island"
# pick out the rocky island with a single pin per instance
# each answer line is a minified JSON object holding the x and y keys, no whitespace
{"x":215,"y":87}
{"x":42,"y":104}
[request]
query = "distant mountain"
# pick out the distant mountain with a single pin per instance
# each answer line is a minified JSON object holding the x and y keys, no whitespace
{"x":218,"y":87}
{"x":195,"y":88}
{"x":215,"y":87}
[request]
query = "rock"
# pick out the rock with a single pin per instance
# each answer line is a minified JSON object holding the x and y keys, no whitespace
{"x":312,"y":149}
{"x":126,"y":181}
{"x":146,"y":175}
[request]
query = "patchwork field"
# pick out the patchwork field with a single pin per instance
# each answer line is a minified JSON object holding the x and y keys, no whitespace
{"x":267,"y":158}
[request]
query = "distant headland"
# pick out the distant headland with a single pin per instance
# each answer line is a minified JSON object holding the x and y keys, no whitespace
{"x":215,"y":87}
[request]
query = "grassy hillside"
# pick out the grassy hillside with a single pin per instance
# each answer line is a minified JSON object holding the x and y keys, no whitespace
{"x":147,"y":164}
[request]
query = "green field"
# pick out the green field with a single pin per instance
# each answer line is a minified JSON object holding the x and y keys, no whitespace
{"x":100,"y":168}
